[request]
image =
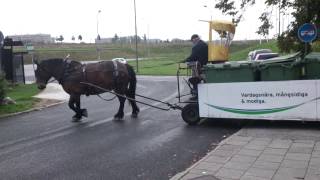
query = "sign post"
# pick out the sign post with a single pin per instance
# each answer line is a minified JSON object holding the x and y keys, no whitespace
{"x":30,"y":50}
{"x":307,"y":33}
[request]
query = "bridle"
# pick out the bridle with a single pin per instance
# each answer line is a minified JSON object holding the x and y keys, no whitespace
{"x":60,"y":80}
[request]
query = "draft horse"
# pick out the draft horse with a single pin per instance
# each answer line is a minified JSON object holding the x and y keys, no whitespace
{"x":78,"y":79}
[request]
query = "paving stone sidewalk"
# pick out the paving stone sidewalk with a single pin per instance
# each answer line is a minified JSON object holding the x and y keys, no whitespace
{"x":261,"y":154}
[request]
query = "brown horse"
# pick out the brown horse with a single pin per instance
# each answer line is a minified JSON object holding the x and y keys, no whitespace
{"x":76,"y":78}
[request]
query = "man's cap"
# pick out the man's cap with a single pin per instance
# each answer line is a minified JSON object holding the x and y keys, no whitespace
{"x":194,"y":36}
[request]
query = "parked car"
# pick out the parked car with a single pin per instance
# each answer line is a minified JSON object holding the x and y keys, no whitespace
{"x":122,"y":60}
{"x":253,"y":54}
{"x":264,"y":56}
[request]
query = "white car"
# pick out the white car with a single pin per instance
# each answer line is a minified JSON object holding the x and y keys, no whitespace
{"x":253,"y":54}
{"x":264,"y":56}
{"x":122,"y":60}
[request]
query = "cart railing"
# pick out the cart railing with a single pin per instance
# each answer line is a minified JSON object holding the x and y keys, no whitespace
{"x":184,"y":73}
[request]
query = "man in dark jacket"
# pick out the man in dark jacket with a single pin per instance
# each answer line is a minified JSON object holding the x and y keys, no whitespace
{"x":198,"y":58}
{"x":199,"y":51}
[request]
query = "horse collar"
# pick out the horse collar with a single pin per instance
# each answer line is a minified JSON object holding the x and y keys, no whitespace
{"x":115,"y":66}
{"x":65,"y":73}
{"x":84,"y":72}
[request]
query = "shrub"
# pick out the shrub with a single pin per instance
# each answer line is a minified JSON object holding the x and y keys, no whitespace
{"x":3,"y":87}
{"x":316,"y":46}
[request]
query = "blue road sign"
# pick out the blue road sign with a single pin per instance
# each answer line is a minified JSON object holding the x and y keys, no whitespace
{"x":1,"y":39}
{"x":307,"y":32}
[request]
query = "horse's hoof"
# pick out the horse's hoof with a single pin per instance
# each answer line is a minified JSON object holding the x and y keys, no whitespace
{"x":117,"y":118}
{"x":76,"y":119}
{"x":84,"y":112}
{"x":134,"y":115}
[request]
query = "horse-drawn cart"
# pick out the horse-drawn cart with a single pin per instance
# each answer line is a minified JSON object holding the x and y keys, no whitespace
{"x":283,"y":88}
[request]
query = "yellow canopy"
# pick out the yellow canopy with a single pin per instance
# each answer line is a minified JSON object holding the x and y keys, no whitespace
{"x":219,"y":51}
{"x":223,"y":26}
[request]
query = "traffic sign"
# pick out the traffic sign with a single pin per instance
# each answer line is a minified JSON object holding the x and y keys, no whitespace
{"x":1,"y":39}
{"x":29,"y":47}
{"x":307,"y":32}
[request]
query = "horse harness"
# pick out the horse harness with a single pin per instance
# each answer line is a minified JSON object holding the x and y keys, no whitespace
{"x":68,"y":70}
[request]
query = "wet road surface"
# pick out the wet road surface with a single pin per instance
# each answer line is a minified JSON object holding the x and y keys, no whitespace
{"x":47,"y":145}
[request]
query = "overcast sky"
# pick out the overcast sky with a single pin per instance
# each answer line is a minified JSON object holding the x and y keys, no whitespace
{"x":164,"y":19}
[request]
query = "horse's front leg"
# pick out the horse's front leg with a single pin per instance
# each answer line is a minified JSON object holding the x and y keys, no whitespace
{"x":120,"y":112}
{"x":74,"y":104}
{"x":82,"y":112}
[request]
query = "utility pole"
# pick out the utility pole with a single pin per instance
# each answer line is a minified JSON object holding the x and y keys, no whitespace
{"x":98,"y":36}
{"x":98,"y":22}
{"x":279,"y":16}
{"x":136,"y":36}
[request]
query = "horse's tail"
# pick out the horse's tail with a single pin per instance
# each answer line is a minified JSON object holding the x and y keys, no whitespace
{"x":132,"y":83}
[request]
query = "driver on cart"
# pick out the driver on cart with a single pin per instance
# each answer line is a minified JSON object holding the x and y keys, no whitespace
{"x":197,"y":58}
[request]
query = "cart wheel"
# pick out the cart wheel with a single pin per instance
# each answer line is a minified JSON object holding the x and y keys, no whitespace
{"x":190,"y":114}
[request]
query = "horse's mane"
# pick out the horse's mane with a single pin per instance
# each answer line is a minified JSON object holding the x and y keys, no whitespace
{"x":57,"y":61}
{"x":53,"y":61}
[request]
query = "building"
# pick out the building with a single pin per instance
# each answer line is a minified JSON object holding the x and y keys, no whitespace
{"x":34,"y":38}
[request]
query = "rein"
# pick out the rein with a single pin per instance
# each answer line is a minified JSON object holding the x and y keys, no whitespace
{"x":106,"y":99}
{"x":170,"y":106}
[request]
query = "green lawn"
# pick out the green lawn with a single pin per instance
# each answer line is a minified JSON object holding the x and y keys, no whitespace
{"x":22,"y":94}
{"x":168,"y":63}
{"x":158,"y":66}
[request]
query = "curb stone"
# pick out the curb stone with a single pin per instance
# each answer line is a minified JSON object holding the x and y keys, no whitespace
{"x":32,"y":109}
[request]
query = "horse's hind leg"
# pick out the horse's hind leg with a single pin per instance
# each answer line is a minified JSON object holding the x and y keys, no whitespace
{"x":120,"y":112}
{"x":132,"y":100}
{"x":135,"y":108}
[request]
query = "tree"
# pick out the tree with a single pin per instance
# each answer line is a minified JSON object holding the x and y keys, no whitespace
{"x":266,"y":24}
{"x":80,"y":38}
{"x":144,"y":37}
{"x":73,"y":38}
{"x":133,"y":39}
{"x":115,"y":38}
{"x":60,"y":38}
{"x":304,"y":11}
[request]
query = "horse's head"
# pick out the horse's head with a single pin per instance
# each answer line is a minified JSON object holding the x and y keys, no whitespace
{"x":42,"y":74}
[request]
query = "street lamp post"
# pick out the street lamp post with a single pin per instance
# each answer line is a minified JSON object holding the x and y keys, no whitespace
{"x":136,"y":36}
{"x":279,"y":16}
{"x":98,"y":36}
{"x":98,"y":22}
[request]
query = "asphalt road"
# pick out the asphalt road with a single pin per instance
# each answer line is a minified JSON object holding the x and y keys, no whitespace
{"x":47,"y":145}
